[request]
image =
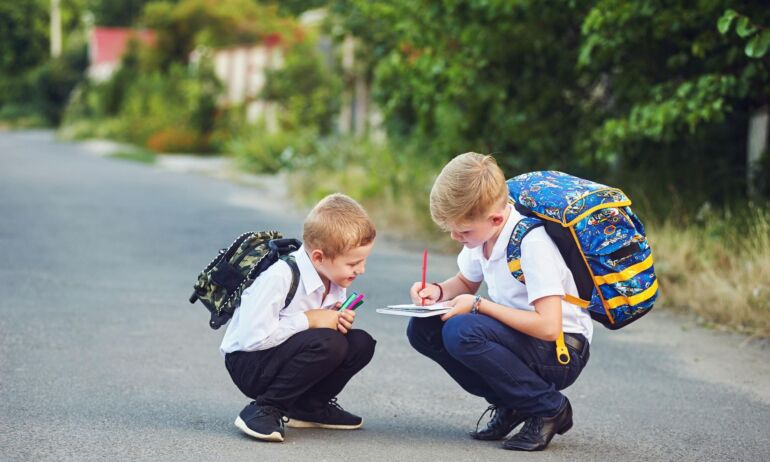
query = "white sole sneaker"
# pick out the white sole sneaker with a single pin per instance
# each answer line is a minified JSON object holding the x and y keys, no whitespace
{"x":275,"y":436}
{"x":294,"y":423}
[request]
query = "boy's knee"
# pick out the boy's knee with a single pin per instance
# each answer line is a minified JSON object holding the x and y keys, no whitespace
{"x":361,"y":342}
{"x":458,"y":332}
{"x":329,"y":345}
{"x":419,"y":332}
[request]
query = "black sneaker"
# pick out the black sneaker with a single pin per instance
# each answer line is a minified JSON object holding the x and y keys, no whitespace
{"x":262,"y":422}
{"x":503,"y":421}
{"x":329,"y":415}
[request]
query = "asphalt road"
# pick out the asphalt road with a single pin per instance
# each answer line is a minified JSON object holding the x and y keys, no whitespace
{"x":103,"y":358}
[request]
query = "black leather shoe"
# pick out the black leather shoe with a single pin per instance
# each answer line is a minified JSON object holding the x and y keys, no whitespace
{"x":538,"y":431}
{"x":503,"y":421}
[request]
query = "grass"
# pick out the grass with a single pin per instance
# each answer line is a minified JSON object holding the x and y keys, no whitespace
{"x":720,"y":271}
{"x":139,"y":155}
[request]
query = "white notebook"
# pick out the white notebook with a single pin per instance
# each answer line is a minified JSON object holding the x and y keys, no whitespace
{"x":415,"y":311}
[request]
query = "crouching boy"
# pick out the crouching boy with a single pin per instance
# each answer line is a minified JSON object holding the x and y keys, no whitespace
{"x":293,"y":361}
{"x":502,"y":347}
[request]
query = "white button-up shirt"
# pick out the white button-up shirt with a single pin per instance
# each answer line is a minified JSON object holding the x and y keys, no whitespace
{"x":261,"y":322}
{"x":543,"y":266}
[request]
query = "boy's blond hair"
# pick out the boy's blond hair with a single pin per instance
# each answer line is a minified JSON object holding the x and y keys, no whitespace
{"x":337,"y":224}
{"x":468,"y":188}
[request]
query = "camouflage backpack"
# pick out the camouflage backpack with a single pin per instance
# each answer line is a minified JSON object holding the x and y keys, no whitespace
{"x":221,"y":283}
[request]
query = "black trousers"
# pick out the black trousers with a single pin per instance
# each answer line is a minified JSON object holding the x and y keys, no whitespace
{"x":303,"y":372}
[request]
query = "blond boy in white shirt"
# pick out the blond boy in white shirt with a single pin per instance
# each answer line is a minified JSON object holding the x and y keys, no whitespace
{"x":502,"y":348}
{"x":293,"y":361}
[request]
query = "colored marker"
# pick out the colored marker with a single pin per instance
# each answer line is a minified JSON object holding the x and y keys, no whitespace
{"x":357,"y":305}
{"x":359,"y":299}
{"x":348,"y":301}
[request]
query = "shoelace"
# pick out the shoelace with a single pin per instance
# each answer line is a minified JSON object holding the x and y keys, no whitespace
{"x":494,"y":410}
{"x":333,"y":402}
{"x":533,"y":426}
{"x":282,"y":419}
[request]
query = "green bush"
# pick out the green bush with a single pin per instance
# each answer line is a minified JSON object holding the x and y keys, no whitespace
{"x":167,"y":111}
{"x":258,"y":151}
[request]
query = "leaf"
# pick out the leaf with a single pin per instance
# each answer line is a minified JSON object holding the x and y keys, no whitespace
{"x":724,"y":23}
{"x":743,"y":28}
{"x":758,"y":45}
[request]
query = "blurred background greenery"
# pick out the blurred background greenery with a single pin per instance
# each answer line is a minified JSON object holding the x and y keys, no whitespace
{"x":666,"y":99}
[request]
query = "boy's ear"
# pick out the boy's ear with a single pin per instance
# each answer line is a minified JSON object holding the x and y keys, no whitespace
{"x":496,"y":219}
{"x":317,"y":256}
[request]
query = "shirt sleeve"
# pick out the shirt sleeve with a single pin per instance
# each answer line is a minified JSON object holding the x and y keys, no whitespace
{"x":261,"y":325}
{"x":470,"y":268}
{"x":543,"y":266}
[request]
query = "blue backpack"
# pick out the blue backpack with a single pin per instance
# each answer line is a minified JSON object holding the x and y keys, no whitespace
{"x":601,"y":239}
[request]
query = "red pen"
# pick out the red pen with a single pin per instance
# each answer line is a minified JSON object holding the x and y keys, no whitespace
{"x":424,"y":269}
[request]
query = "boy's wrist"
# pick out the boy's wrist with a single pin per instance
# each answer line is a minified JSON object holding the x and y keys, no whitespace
{"x":476,"y":304}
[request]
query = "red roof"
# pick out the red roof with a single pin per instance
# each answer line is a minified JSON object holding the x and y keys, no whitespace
{"x":109,"y":43}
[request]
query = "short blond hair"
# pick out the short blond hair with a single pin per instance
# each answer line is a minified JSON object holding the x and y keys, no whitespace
{"x":468,"y":188}
{"x":337,"y":224}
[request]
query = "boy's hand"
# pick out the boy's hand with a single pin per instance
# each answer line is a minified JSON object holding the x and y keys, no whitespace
{"x":321,"y":318}
{"x":430,"y":293}
{"x":345,"y":322}
{"x":460,"y":305}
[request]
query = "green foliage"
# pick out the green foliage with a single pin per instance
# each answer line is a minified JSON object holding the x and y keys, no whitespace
{"x":758,"y":36}
{"x":490,"y":76}
{"x":674,"y":96}
{"x":648,"y":94}
{"x":142,"y":156}
{"x":391,"y":179}
{"x":167,"y":111}
{"x":23,"y":36}
{"x":295,"y":7}
{"x":113,"y":13}
{"x":306,"y":88}
{"x":185,"y":25}
{"x":262,"y":152}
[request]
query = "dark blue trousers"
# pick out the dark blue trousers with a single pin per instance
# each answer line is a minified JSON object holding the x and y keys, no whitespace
{"x":504,"y":366}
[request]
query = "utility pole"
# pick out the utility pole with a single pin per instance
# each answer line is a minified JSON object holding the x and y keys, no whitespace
{"x":55,"y":28}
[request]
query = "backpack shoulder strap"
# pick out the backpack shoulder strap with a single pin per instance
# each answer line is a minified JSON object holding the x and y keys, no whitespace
{"x":294,"y":278}
{"x":513,"y":254}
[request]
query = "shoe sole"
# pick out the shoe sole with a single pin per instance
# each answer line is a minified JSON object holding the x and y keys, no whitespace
{"x":294,"y":423}
{"x":275,"y":436}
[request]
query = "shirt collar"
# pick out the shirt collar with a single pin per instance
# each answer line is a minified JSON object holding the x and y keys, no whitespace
{"x":311,"y":280}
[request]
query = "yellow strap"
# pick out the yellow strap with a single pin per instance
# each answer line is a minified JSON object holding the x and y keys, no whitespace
{"x":514,"y":265}
{"x":562,"y":353}
{"x":634,"y":300}
{"x":594,"y":209}
{"x":626,"y":274}
{"x":576,"y":301}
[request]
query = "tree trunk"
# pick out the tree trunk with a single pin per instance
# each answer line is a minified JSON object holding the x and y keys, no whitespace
{"x":55,"y":28}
